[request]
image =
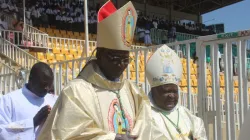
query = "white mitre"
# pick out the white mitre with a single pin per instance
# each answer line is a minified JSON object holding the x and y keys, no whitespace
{"x":164,"y":67}
{"x":115,"y":28}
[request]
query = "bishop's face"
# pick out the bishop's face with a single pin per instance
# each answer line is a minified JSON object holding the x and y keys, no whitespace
{"x":113,"y":62}
{"x":165,"y":96}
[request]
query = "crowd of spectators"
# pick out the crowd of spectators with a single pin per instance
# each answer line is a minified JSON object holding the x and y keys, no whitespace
{"x":70,"y":16}
{"x":8,"y":6}
{"x":146,"y":23}
{"x":62,"y":15}
{"x":189,"y":28}
{"x":3,"y":23}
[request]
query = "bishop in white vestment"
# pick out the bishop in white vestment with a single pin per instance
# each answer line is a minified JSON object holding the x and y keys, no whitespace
{"x":100,"y":104}
{"x":170,"y":120}
{"x":18,"y":108}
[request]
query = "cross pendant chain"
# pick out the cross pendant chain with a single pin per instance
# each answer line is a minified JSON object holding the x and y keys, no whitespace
{"x":178,"y":130}
{"x":118,"y":96}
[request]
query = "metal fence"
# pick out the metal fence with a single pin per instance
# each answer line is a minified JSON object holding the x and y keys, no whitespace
{"x":222,"y":100}
{"x":219,"y":101}
{"x":7,"y":83}
{"x":66,"y":71}
{"x":31,"y":29}
{"x":10,"y":81}
{"x":5,"y":69}
{"x":72,"y":44}
{"x":17,"y":54}
{"x":7,"y":75}
{"x":235,"y":98}
{"x":26,"y":39}
{"x":160,"y":36}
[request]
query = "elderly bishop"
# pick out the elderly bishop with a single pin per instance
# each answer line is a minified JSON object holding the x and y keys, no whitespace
{"x":100,"y":103}
{"x":171,"y":120}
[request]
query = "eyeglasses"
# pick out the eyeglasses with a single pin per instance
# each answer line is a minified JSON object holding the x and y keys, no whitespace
{"x":116,"y":60}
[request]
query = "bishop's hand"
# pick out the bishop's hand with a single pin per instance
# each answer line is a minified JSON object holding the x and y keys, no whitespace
{"x":41,"y":115}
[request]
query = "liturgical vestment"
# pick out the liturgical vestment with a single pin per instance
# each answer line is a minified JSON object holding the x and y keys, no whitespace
{"x":89,"y":108}
{"x":165,"y":68}
{"x":190,"y":126}
{"x":17,"y":110}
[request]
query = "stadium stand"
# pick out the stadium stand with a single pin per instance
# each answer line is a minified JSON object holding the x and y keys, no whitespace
{"x":64,"y":49}
{"x":61,"y":19}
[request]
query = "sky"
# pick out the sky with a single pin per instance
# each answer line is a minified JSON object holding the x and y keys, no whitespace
{"x":235,"y":17}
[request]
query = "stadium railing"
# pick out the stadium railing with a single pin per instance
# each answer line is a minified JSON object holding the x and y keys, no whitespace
{"x":236,"y":65}
{"x":17,"y":54}
{"x":26,"y":39}
{"x":31,"y":29}
{"x":227,"y":102}
{"x":228,"y":108}
{"x":66,"y":43}
{"x":66,"y":71}
{"x":7,"y":83}
{"x":36,"y":36}
{"x":158,"y":35}
{"x":70,"y":43}
{"x":12,"y":81}
{"x":5,"y":69}
{"x":7,"y":79}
